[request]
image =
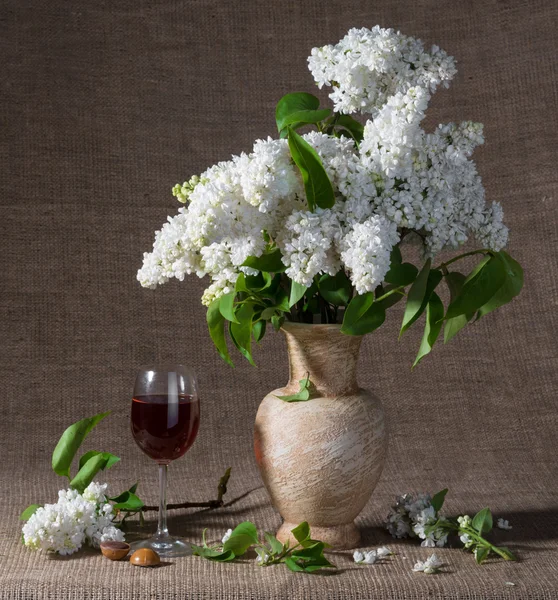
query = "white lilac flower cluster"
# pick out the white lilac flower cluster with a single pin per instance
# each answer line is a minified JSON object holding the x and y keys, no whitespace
{"x":430,"y":566}
{"x":76,"y":519}
{"x":414,"y":516}
{"x":372,"y":556}
{"x":399,"y":178}
{"x":368,"y":66}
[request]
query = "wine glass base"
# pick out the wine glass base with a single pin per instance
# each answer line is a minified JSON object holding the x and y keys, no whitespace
{"x":166,"y":547}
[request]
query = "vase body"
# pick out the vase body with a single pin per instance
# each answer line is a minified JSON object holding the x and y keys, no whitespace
{"x":320,"y":460}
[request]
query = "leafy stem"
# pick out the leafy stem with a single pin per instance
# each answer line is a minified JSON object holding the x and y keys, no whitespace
{"x":443,"y":266}
{"x":397,"y":290}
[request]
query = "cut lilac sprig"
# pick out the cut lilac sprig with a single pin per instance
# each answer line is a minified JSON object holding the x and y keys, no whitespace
{"x":419,"y":516}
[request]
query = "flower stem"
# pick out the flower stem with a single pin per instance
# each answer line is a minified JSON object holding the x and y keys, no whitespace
{"x":397,"y":290}
{"x":444,"y":265}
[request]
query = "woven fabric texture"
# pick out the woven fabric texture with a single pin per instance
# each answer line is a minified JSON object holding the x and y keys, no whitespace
{"x":104,"y":106}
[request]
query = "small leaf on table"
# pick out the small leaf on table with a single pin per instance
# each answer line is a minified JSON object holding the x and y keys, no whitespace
{"x":481,"y":553}
{"x":275,"y":545}
{"x":438,"y":500}
{"x":242,"y":537}
{"x":482,"y":521}
{"x":301,"y":532}
{"x":212,"y":554}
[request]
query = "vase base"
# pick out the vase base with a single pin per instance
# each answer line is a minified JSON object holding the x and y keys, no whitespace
{"x":339,"y":537}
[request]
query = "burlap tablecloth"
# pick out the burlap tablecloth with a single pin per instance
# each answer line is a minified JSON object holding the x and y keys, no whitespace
{"x":104,"y":106}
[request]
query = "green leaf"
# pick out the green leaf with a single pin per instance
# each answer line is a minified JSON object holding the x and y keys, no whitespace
{"x":253,"y":284}
{"x":226,"y":306}
{"x":455,"y":283}
{"x":311,"y":557}
{"x":318,"y":188}
{"x":355,"y":128}
{"x":211,"y":554}
{"x":111,"y":458}
{"x":479,"y":287}
{"x":70,"y":442}
{"x":277,"y":322}
{"x":395,"y":257}
{"x":438,"y":500}
{"x":242,"y":537}
{"x":301,"y":532}
{"x":511,"y":287}
{"x":434,"y":278}
{"x":241,"y":332}
{"x":275,"y":545}
{"x":267,"y":313}
{"x":87,"y":473}
{"x":401,"y":274}
{"x":293,"y":566}
{"x":297,"y":292}
{"x":337,"y":289}
{"x":481,"y":553}
{"x":482,"y":521}
{"x":356,"y":309}
{"x":29,"y":512}
{"x":432,"y":327}
{"x":298,"y":108}
{"x":128,"y":501}
{"x":282,"y":301}
{"x":504,"y":552}
{"x":302,"y":395}
{"x":216,"y":324}
{"x":268,"y":261}
{"x":258,"y":330}
{"x":314,"y":550}
{"x":363,"y":315}
{"x":415,"y":298}
{"x":303,"y":117}
{"x":311,"y":567}
{"x":134,"y":488}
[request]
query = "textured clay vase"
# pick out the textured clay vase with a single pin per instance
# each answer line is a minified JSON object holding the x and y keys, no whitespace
{"x":320,"y":460}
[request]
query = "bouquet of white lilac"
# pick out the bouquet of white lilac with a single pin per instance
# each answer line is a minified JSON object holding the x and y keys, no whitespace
{"x":309,"y":227}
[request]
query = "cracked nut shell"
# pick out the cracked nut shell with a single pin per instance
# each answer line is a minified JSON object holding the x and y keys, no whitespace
{"x":145,"y":557}
{"x":115,"y":550}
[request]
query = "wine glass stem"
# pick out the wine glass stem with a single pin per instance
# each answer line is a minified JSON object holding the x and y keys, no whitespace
{"x":162,"y":531}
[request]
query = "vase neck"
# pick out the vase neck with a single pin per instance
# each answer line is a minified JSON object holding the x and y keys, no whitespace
{"x":327,"y":355}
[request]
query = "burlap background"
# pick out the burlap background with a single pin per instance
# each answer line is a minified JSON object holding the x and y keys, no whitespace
{"x":104,"y":106}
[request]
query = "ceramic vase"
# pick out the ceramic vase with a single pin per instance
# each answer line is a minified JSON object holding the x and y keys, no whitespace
{"x":321,"y":459}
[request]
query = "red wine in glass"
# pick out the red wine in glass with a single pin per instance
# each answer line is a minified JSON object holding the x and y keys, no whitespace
{"x":165,"y":418}
{"x":165,"y":427}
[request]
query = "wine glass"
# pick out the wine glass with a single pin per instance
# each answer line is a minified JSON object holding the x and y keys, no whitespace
{"x":165,"y":421}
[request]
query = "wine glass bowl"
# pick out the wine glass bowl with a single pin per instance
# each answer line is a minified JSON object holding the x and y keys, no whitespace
{"x":165,"y":419}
